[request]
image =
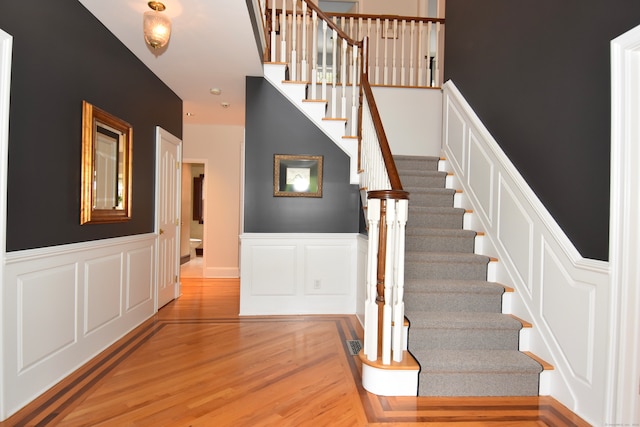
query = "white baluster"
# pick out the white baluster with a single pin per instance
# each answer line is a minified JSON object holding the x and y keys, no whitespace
{"x":429,"y":68}
{"x":303,"y":63}
{"x":343,"y":76}
{"x":412,"y":70}
{"x":376,"y":79}
{"x":314,"y":57}
{"x":420,"y":54}
{"x":398,"y":309}
{"x":402,"y":60}
{"x":283,"y":32}
{"x":354,"y":92}
{"x":294,"y":47}
{"x":324,"y":60}
{"x":436,"y":79}
{"x":273,"y":31}
{"x":394,"y":67}
{"x":385,"y":71}
{"x":334,"y":92}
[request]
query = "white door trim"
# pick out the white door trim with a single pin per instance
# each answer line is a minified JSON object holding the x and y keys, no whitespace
{"x":623,"y":405}
{"x":6,"y":46}
{"x":163,"y":134}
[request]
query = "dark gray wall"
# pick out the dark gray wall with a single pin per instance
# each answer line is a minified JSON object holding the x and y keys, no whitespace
{"x":275,"y":126}
{"x":62,"y":55}
{"x":538,"y":75}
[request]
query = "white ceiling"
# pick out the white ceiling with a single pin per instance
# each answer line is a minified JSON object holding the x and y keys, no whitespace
{"x":212,"y":45}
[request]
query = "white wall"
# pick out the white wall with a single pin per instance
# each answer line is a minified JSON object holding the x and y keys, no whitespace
{"x":220,"y":148}
{"x":412,"y":119}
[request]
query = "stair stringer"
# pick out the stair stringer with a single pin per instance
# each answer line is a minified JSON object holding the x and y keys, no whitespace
{"x":335,"y":129}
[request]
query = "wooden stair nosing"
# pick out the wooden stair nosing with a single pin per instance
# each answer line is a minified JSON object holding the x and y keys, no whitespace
{"x":408,"y":363}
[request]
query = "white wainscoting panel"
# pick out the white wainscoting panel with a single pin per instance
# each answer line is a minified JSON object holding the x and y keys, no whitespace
{"x":300,"y":273}
{"x":515,"y":233}
{"x":63,"y":305}
{"x":564,"y":296}
{"x":455,"y":131}
{"x":273,"y":270}
{"x":571,"y":325}
{"x":140,"y":266}
{"x":481,"y":171}
{"x":45,"y":328}
{"x":103,"y":291}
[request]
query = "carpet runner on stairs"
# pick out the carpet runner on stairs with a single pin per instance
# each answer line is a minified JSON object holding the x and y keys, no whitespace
{"x":458,"y":334}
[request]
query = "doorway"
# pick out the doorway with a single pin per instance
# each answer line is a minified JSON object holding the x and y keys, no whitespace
{"x":192,"y":243}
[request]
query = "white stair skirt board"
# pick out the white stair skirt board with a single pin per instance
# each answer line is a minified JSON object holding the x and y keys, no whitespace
{"x":390,"y":382}
{"x":335,"y":130}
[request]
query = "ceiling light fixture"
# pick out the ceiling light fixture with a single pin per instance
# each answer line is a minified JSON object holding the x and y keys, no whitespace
{"x":215,"y":91}
{"x":156,"y":27}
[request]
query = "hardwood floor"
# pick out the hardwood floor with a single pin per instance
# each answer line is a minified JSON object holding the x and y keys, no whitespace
{"x":197,"y":363}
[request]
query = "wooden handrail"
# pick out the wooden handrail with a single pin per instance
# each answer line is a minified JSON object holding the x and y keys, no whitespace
{"x":385,"y":17}
{"x":326,"y":18}
{"x":392,"y":171}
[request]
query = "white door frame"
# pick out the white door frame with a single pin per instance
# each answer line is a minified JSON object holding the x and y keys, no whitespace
{"x":204,"y":162}
{"x":623,"y":400}
{"x":6,"y":45}
{"x":160,"y":134}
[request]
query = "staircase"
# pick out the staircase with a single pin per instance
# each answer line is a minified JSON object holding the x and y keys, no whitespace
{"x":458,"y":334}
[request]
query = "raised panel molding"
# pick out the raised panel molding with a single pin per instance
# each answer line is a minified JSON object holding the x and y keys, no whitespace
{"x":45,"y":329}
{"x":320,"y":280}
{"x":62,"y":305}
{"x":296,"y":273}
{"x":515,"y":232}
{"x":139,"y":283}
{"x":103,"y":287}
{"x":481,"y":177}
{"x":567,"y":306}
{"x":454,"y":134}
{"x":273,"y":270}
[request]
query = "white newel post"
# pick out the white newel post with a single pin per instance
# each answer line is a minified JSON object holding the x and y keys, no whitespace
{"x":398,"y":297}
{"x":390,"y":219}
{"x":371,"y":306}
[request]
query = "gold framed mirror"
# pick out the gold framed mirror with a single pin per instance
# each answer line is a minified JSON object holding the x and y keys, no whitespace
{"x":106,"y":167}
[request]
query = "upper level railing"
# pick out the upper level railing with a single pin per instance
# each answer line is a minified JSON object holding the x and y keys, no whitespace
{"x":323,"y":51}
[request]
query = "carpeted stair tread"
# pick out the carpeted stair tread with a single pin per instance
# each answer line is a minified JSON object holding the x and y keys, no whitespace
{"x":421,"y":173}
{"x":456,"y":320}
{"x":452,"y":296}
{"x":422,"y":239}
{"x":416,"y":162}
{"x":441,"y":232}
{"x":419,"y":286}
{"x":435,"y":217}
{"x":428,"y":178}
{"x":446,"y":257}
{"x":430,"y":197}
{"x":467,"y":361}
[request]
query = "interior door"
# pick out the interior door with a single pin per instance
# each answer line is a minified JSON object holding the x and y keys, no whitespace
{"x":168,"y":179}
